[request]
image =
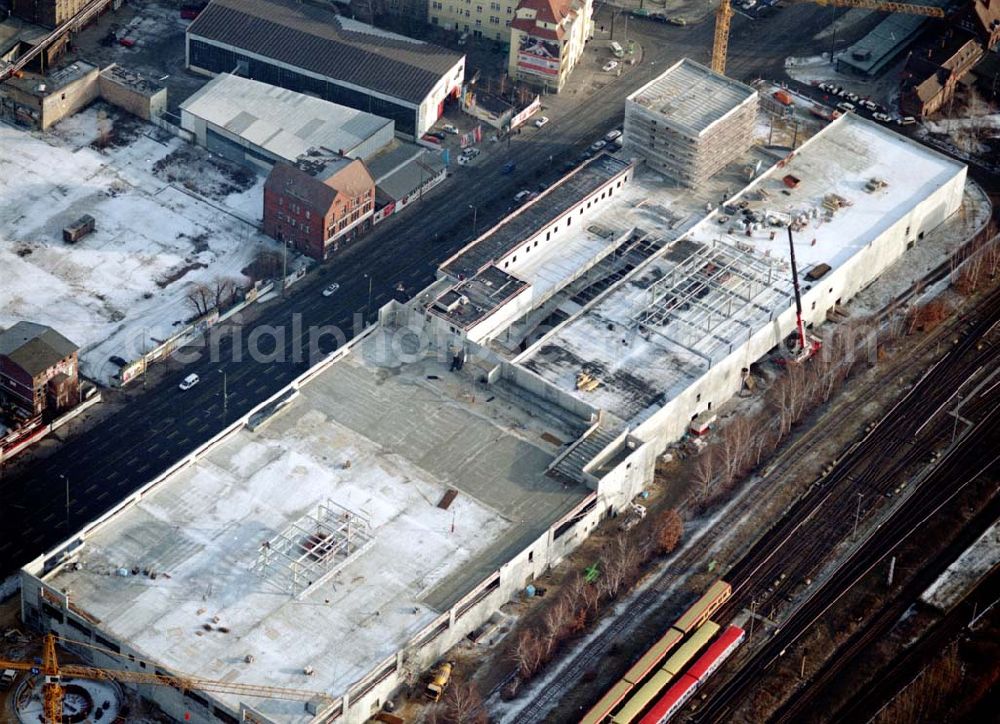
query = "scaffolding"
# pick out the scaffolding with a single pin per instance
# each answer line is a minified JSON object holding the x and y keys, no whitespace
{"x":709,"y":301}
{"x":314,"y":548}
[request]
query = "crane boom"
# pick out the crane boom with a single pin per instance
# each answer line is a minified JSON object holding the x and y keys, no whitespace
{"x":54,"y":672}
{"x":720,"y":46}
{"x":724,"y":17}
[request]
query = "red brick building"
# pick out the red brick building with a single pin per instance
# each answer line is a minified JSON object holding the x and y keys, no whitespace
{"x":38,"y":370}
{"x":319,"y":204}
{"x":932,"y":73}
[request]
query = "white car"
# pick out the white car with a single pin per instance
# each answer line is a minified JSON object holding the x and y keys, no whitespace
{"x":597,"y":145}
{"x":541,"y":121}
{"x":612,"y":136}
{"x":448,"y":128}
{"x":906,"y":121}
{"x":870,"y":105}
{"x":521,"y":196}
{"x":883,"y":117}
{"x":610,"y":66}
{"x":331,"y":290}
{"x":845,"y":106}
{"x":189,"y":382}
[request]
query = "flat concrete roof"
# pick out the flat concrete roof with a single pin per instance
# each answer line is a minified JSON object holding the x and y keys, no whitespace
{"x":282,"y":122}
{"x":384,"y":440}
{"x":513,"y":230}
{"x":651,"y":335}
{"x":691,"y":96}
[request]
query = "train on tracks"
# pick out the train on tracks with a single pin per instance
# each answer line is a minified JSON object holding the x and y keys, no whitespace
{"x":639,"y":693}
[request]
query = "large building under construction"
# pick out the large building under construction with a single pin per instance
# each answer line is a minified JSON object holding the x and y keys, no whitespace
{"x":690,"y":122}
{"x":345,"y":534}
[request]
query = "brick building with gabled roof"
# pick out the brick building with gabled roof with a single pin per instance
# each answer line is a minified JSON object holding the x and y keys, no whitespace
{"x":318,"y":204}
{"x":932,"y":73}
{"x":38,"y":369}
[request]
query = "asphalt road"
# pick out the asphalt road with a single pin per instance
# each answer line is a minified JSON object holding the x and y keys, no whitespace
{"x":102,"y":464}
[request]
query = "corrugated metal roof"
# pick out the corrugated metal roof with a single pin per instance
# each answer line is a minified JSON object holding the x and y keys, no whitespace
{"x":265,"y":115}
{"x":317,"y":40}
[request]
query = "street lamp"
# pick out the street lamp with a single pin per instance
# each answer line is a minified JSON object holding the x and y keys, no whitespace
{"x":225,"y":391}
{"x":475,"y":213}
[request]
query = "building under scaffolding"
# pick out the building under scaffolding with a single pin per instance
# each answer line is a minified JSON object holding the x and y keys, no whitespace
{"x":690,"y":122}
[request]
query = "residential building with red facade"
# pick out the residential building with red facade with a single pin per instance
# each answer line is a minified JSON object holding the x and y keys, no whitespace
{"x":319,"y":204}
{"x":39,"y":370}
{"x":547,"y":39}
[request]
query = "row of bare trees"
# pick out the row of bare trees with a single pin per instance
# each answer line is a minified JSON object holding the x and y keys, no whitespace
{"x":747,"y":440}
{"x":221,"y":293}
{"x":621,"y":564}
{"x":977,"y":266}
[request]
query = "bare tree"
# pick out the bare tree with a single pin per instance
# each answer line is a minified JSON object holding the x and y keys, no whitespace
{"x":554,"y":623}
{"x":225,"y":291}
{"x":461,"y":704}
{"x":591,"y":595}
{"x":199,"y":298}
{"x":670,"y":530}
{"x":619,"y":561}
{"x":703,"y":474}
{"x":734,"y":449}
{"x":528,"y":654}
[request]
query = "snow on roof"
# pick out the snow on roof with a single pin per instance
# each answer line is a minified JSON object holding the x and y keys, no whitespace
{"x":658,"y":330}
{"x":281,"y":121}
{"x":349,"y":438}
{"x":975,"y":562}
{"x":692,"y":97}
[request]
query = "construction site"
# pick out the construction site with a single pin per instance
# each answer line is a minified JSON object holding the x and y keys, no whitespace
{"x":337,"y":541}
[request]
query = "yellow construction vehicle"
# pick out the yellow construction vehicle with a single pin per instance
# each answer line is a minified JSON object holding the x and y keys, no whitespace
{"x":55,"y":674}
{"x":436,"y":687}
{"x":724,"y":17}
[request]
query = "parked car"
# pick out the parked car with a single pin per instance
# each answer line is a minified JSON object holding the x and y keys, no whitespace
{"x":845,"y":106}
{"x":541,"y":121}
{"x":868,"y":104}
{"x":127,"y":42}
{"x":826,"y":87}
{"x":680,"y":22}
{"x":448,"y":128}
{"x":612,"y":135}
{"x":883,"y":117}
{"x":598,"y":145}
{"x":521,"y":196}
{"x":331,"y":290}
{"x":439,"y":135}
{"x":906,"y":121}
{"x":610,"y":66}
{"x":853,"y":97}
{"x":471,"y":152}
{"x":430,"y":138}
{"x":189,"y":382}
{"x":508,"y":168}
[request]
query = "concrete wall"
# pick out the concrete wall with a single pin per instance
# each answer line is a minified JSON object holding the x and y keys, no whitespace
{"x":724,"y":379}
{"x":136,"y":102}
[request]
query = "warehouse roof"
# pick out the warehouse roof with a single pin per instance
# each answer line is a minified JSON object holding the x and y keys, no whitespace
{"x":348,"y":442}
{"x":34,"y":347}
{"x":692,"y":97}
{"x":317,"y":40}
{"x":657,"y":331}
{"x":282,"y":122}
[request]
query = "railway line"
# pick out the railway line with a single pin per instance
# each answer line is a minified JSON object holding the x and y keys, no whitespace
{"x":797,"y":545}
{"x":803,"y":703}
{"x":656,"y":595}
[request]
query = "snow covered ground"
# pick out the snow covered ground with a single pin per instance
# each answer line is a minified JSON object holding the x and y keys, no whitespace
{"x":161,"y":228}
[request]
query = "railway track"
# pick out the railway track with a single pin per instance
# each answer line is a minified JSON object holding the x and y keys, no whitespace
{"x":952,"y":476}
{"x":693,"y":557}
{"x":800,"y":707}
{"x":797,"y":544}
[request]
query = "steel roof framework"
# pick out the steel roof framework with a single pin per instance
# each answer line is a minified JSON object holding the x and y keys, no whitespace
{"x":314,"y":548}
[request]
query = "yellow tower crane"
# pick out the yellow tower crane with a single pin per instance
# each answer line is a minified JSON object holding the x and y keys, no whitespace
{"x":724,"y":16}
{"x":55,"y":673}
